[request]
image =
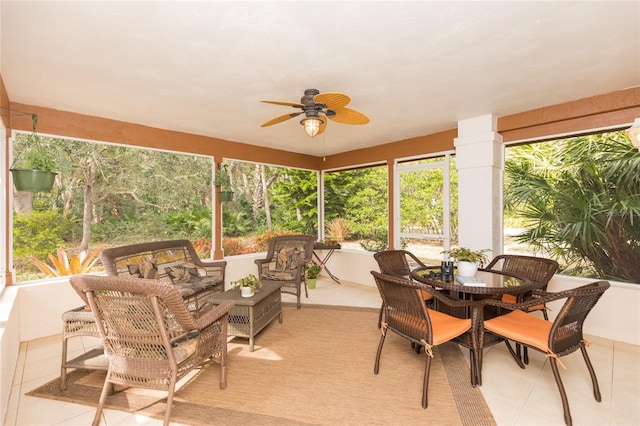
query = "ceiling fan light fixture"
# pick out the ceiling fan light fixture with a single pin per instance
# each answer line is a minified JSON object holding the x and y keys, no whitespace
{"x":311,"y":125}
{"x":634,"y":133}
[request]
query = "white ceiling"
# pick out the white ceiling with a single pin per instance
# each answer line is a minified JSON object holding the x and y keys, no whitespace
{"x":414,"y":68}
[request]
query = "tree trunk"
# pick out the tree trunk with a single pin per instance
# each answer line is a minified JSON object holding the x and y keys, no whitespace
{"x":87,"y":213}
{"x":23,"y":202}
{"x":265,"y":197}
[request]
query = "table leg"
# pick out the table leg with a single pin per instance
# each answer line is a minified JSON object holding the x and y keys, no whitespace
{"x":324,"y":261}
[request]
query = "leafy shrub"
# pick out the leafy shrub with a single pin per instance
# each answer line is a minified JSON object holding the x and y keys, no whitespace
{"x":195,"y":222}
{"x":261,"y":241}
{"x":39,"y":233}
{"x":202,"y":246}
{"x":235,"y":246}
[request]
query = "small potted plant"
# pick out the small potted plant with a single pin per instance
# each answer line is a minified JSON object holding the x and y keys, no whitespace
{"x":33,"y":168}
{"x":313,"y":270}
{"x":223,"y":180}
{"x":467,"y":260}
{"x":247,"y":285}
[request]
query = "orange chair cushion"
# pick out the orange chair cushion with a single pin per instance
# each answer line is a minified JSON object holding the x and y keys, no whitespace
{"x":510,"y":298}
{"x":426,"y":295}
{"x":523,"y":328}
{"x":445,"y":327}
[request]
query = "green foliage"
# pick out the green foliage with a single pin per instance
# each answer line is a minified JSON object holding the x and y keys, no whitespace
{"x":39,"y":233}
{"x":467,"y":255}
{"x":579,"y":200}
{"x":34,"y":152}
{"x":379,"y":241}
{"x":248,"y":281}
{"x":235,"y":223}
{"x":313,"y":269}
{"x":195,"y":222}
{"x":358,"y":196}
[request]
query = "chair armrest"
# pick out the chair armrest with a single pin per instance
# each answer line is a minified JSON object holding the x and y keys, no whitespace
{"x":540,"y":297}
{"x":450,"y":301}
{"x":214,"y":314}
{"x":261,"y":262}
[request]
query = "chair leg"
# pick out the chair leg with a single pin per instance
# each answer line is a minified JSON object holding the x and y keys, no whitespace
{"x":380,"y":316}
{"x":594,"y":379}
{"x":525,"y":355}
{"x":376,"y":366}
{"x":563,"y":393}
{"x":172,"y":390}
{"x":515,"y":356}
{"x":101,"y":401}
{"x":425,"y":383}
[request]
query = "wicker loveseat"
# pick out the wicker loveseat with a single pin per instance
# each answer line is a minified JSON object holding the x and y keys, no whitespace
{"x":174,"y":261}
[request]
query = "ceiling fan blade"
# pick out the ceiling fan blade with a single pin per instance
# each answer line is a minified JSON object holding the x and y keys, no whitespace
{"x":280,"y":119}
{"x":349,"y":116}
{"x":332,"y":100}
{"x":293,"y":104}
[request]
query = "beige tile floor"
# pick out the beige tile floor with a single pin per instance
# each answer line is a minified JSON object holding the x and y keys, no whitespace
{"x":515,"y":396}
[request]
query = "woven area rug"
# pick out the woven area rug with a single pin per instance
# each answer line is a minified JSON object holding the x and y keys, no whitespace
{"x":314,"y":368}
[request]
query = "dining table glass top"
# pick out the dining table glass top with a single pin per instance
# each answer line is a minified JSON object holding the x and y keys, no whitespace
{"x":484,"y":282}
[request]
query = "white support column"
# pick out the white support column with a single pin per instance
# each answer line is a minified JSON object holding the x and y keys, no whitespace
{"x":479,"y":155}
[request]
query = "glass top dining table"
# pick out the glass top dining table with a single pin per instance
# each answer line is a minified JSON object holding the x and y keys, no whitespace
{"x":492,"y":283}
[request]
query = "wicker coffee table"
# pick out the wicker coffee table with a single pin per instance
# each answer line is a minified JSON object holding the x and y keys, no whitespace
{"x":251,"y":314}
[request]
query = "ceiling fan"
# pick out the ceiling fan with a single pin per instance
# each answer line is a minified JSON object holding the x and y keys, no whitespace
{"x":317,"y":107}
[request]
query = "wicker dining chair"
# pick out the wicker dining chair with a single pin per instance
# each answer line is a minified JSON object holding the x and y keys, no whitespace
{"x":556,"y":339}
{"x":286,"y":258}
{"x":537,"y":269}
{"x":150,"y":337}
{"x":399,"y":263}
{"x":407,"y":316}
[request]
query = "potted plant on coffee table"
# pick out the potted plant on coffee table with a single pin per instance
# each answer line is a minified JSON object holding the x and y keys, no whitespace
{"x":247,"y":285}
{"x":313,"y":270}
{"x":467,"y":260}
{"x":33,"y":168}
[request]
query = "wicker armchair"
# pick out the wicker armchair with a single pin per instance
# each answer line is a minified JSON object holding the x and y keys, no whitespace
{"x":407,"y":315}
{"x":150,"y":337}
{"x":174,"y":261}
{"x":285,"y":262}
{"x":399,"y":263}
{"x":536,"y":269}
{"x":556,"y":339}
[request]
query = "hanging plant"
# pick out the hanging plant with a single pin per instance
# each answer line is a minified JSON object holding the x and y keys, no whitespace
{"x":223,"y":180}
{"x":33,"y":168}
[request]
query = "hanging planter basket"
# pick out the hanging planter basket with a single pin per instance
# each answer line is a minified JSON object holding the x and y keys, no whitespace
{"x":225,"y":195}
{"x":33,"y":180}
{"x":32,"y":169}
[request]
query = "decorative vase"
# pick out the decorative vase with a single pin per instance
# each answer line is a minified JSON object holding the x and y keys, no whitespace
{"x":467,"y":269}
{"x":246,"y":291}
{"x":311,"y":282}
{"x":33,"y":180}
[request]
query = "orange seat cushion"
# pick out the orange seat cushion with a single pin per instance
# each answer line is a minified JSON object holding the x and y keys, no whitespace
{"x":426,"y":295}
{"x":523,"y":328}
{"x":510,"y":298}
{"x":445,"y":327}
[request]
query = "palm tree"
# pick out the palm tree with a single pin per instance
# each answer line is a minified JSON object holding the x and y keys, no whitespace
{"x":579,"y":199}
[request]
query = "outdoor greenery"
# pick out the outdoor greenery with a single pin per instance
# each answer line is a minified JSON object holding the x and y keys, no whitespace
{"x":579,"y":202}
{"x":465,"y":254}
